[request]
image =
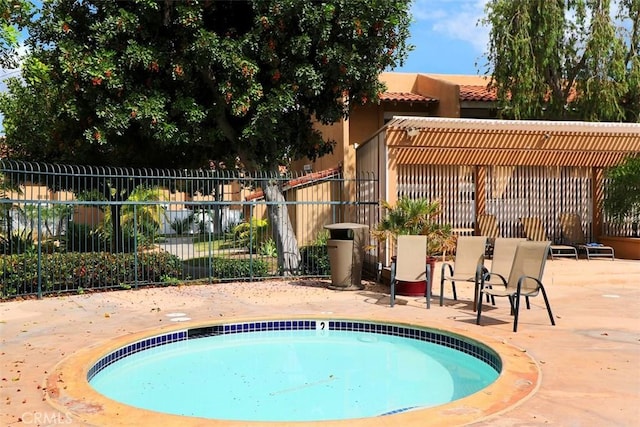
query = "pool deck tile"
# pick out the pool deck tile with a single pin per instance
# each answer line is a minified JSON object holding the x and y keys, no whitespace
{"x":589,"y":362}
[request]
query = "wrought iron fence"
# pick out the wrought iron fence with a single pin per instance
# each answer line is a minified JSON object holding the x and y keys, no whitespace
{"x":66,"y":228}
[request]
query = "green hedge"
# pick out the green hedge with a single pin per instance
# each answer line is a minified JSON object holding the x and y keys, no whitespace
{"x":63,"y":272}
{"x":226,"y":268}
{"x":315,"y":260}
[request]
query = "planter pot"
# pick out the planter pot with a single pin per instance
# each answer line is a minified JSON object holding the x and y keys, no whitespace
{"x":415,"y":289}
{"x":624,"y":247}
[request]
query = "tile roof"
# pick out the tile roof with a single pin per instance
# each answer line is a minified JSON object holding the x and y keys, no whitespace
{"x":477,"y":93}
{"x":467,"y":93}
{"x":309,"y":178}
{"x":481,"y":93}
{"x":406,"y":97}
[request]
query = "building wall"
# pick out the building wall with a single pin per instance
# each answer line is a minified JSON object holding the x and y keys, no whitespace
{"x":365,"y":121}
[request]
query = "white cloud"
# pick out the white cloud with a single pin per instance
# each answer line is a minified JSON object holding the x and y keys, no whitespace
{"x":454,"y":19}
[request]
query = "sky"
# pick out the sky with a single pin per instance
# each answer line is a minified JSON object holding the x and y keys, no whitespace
{"x":447,"y":37}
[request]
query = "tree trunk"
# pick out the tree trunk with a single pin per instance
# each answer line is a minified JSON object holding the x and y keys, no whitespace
{"x":284,"y":236}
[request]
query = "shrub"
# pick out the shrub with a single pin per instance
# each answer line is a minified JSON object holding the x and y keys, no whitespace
{"x":315,"y":257}
{"x":251,"y":234}
{"x":63,"y":272}
{"x":269,"y":248}
{"x":84,"y":238}
{"x":228,"y":268}
{"x":20,"y":241}
{"x":622,"y":195}
{"x":182,"y":225}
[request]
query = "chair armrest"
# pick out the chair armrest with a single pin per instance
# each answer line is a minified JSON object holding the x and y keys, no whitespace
{"x":487,"y":277}
{"x":444,"y":266}
{"x":525,"y":277}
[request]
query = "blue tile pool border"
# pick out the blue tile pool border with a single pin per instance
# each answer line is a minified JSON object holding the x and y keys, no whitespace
{"x":465,"y":345}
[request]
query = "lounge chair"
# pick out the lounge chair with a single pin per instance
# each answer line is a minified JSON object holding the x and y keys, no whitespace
{"x":469,"y":254}
{"x":410,"y":264}
{"x":488,"y":226}
{"x":534,"y":230}
{"x":573,"y":234}
{"x":525,"y":279}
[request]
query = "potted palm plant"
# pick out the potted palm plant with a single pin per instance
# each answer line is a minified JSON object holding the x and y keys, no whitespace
{"x":622,"y":203}
{"x":415,"y":216}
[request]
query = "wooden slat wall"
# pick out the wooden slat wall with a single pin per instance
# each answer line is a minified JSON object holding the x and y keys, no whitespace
{"x":512,"y":192}
{"x":453,"y":185}
{"x":545,"y":192}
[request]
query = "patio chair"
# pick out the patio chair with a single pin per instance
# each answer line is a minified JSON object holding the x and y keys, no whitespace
{"x":534,"y":230}
{"x":488,"y":226}
{"x":573,"y":234}
{"x":469,"y":255}
{"x":504,"y":252}
{"x":411,"y":264}
{"x":525,"y":279}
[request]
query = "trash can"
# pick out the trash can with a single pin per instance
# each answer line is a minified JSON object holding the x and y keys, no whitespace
{"x":346,"y":254}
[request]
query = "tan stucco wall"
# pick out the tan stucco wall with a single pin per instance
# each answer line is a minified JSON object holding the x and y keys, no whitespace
{"x":337,"y":132}
{"x":446,"y":89}
{"x":365,"y":121}
{"x":399,"y":82}
{"x":461,"y":79}
{"x":447,"y":94}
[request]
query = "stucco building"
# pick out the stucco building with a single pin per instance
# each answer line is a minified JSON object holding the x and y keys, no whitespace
{"x":437,"y":136}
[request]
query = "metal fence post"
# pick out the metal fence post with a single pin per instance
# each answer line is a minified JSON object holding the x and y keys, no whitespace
{"x":135,"y":245}
{"x":39,"y":250}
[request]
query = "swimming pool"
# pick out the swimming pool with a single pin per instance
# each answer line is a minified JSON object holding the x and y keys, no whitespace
{"x":300,"y":370}
{"x":518,"y":374}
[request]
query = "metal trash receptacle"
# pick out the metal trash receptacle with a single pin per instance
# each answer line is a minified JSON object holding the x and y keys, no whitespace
{"x":346,"y":254}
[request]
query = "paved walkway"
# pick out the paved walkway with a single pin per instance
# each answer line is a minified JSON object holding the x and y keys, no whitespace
{"x":590,"y":361}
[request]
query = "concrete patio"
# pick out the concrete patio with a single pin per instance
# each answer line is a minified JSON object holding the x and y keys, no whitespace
{"x":589,"y":361}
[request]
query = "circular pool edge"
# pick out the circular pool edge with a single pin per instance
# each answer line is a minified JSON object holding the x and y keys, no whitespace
{"x":68,"y":390}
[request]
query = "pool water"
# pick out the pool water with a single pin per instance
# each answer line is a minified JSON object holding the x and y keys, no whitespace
{"x":293,"y":375}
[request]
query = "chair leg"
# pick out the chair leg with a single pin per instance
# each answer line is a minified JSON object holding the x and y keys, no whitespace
{"x":392,"y":297}
{"x":479,"y":309}
{"x":392,"y":284}
{"x":428,"y":294}
{"x":528,"y":304}
{"x":516,"y":309}
{"x":443,"y":273}
{"x":546,"y":301}
{"x":491,"y":298}
{"x":428,"y":288}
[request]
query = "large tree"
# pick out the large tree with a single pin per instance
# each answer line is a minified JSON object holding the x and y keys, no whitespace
{"x":179,"y":83}
{"x":566,"y":59}
{"x":14,"y":16}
